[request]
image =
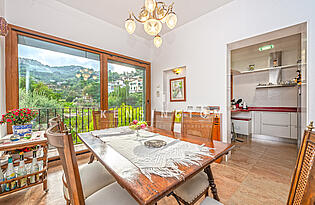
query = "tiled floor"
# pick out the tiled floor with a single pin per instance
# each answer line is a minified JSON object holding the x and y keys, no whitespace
{"x":259,"y":172}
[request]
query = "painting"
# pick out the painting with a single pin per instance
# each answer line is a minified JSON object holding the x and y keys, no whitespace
{"x":178,"y":89}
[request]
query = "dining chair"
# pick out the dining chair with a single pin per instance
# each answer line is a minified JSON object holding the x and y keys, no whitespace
{"x":164,"y":120}
{"x":200,"y":125}
{"x":302,"y":189}
{"x":91,"y":184}
{"x":104,"y":119}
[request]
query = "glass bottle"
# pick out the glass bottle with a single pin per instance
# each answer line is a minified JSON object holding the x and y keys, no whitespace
{"x":34,"y":168}
{"x":10,"y":175}
{"x":22,"y":171}
{"x":2,"y":186}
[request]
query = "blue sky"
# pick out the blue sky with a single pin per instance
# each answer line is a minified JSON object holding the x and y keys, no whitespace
{"x":53,"y":58}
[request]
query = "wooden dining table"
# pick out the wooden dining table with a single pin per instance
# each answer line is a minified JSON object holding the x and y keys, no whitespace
{"x":142,"y":189}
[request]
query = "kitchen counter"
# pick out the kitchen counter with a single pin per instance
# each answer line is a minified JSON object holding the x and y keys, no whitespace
{"x":267,"y":109}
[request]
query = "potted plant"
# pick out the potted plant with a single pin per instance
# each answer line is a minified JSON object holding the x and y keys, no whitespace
{"x":135,"y":125}
{"x":20,"y":119}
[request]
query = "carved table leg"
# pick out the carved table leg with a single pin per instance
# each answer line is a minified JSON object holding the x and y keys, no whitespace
{"x":91,"y":159}
{"x":211,"y":183}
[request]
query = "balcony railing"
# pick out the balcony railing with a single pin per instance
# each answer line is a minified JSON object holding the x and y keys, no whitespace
{"x":81,"y":119}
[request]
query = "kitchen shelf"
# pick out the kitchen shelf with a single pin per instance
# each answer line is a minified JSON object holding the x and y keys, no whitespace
{"x":267,"y":69}
{"x":274,"y":86}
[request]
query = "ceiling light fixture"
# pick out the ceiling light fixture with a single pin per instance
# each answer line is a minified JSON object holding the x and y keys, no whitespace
{"x":152,"y":15}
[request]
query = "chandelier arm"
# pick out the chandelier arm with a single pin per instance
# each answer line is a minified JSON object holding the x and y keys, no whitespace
{"x":137,"y":18}
{"x":169,"y":9}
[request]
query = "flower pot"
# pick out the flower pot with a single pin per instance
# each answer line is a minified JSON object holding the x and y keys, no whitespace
{"x":21,"y":130}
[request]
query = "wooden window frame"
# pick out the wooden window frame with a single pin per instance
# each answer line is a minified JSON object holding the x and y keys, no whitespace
{"x":12,"y":70}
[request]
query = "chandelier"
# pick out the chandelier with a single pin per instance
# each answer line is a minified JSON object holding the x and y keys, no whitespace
{"x":152,"y":15}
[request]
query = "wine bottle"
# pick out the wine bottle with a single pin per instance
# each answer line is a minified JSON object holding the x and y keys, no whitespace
{"x":35,"y":168}
{"x":10,"y":175}
{"x":2,"y":186}
{"x":22,"y":171}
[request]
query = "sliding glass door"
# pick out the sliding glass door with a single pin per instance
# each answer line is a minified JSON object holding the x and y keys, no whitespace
{"x":127,"y":91}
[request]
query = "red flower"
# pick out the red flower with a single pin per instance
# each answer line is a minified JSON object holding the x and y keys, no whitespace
{"x":9,"y":120}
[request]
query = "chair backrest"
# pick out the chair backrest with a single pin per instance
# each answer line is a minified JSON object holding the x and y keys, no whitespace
{"x":104,"y":119}
{"x":63,"y":142}
{"x":164,"y":120}
{"x":197,"y":124}
{"x":303,"y":182}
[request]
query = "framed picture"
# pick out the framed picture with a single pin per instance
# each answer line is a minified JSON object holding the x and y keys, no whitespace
{"x":178,"y":89}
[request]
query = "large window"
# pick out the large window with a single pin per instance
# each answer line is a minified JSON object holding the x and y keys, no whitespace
{"x":55,"y":76}
{"x":62,"y":77}
{"x":126,"y":91}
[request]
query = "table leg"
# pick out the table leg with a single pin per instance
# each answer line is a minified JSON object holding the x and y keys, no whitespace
{"x":211,"y":183}
{"x":91,"y":158}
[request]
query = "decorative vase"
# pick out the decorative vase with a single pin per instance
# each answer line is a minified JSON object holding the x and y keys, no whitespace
{"x":21,"y":130}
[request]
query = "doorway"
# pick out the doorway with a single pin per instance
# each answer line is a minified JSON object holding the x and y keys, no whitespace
{"x":267,"y":76}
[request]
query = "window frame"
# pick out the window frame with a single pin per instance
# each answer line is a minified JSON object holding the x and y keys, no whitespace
{"x":12,"y":70}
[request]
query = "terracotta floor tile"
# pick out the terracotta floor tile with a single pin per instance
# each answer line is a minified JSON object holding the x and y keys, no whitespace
{"x":258,"y":172}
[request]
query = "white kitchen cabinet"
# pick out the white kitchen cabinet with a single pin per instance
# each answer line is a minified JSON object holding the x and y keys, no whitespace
{"x":276,"y":118}
{"x":256,"y":121}
{"x":276,"y":130}
{"x":242,"y":127}
{"x":277,"y":124}
{"x":293,"y":132}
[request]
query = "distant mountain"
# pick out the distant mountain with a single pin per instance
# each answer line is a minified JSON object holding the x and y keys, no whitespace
{"x":46,"y":73}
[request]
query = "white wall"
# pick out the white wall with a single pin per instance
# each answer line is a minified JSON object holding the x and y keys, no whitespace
{"x":54,"y":18}
{"x":201,"y":45}
{"x":2,"y":82}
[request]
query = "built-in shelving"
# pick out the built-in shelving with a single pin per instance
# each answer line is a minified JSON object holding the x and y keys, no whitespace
{"x":267,"y":69}
{"x":274,"y":86}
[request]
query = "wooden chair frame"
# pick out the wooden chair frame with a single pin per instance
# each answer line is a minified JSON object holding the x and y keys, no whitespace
{"x":63,"y":142}
{"x":167,"y":114}
{"x":302,"y":188}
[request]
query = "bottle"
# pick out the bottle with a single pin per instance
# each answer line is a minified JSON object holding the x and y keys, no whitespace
{"x":10,"y":175}
{"x":22,"y":171}
{"x":34,"y":168}
{"x":2,"y":186}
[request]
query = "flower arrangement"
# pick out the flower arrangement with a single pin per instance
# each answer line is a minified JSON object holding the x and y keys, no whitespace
{"x":19,"y":116}
{"x":138,"y":125}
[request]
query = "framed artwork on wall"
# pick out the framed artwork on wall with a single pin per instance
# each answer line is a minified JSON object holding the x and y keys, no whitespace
{"x":178,"y":89}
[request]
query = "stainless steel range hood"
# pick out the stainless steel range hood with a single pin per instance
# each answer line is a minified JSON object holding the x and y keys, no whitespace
{"x":275,"y":75}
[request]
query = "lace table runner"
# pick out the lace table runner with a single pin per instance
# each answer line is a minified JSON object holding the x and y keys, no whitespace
{"x":162,"y":161}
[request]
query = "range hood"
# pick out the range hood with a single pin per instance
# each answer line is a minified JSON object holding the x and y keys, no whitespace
{"x":275,"y":75}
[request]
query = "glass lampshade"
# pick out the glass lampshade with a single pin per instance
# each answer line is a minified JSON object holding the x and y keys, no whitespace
{"x":171,"y":20}
{"x":157,"y":41}
{"x":152,"y":27}
{"x":130,"y":26}
{"x":150,"y":5}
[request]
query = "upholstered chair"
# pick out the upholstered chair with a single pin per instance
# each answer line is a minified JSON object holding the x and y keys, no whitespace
{"x":91,"y":184}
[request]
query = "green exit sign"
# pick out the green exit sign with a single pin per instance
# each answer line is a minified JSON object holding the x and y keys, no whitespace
{"x":266,"y":47}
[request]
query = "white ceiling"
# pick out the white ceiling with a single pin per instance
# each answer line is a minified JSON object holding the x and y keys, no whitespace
{"x":116,"y":11}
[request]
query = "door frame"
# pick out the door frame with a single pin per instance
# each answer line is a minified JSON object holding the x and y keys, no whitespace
{"x":147,"y":69}
{"x":12,"y":72}
{"x":269,"y":36}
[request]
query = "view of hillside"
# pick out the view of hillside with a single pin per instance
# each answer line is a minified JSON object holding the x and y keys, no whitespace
{"x":44,"y":86}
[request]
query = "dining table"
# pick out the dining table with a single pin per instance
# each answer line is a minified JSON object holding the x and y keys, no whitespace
{"x":150,"y":191}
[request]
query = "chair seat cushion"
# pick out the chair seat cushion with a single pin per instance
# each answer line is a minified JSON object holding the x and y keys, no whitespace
{"x":112,"y":194}
{"x":210,"y":201}
{"x":94,"y":177}
{"x":193,"y":187}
